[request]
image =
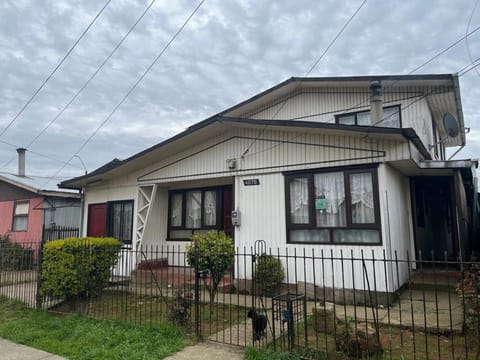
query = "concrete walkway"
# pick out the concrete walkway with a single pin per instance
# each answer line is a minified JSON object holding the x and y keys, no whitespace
{"x":12,"y":351}
{"x":209,"y":351}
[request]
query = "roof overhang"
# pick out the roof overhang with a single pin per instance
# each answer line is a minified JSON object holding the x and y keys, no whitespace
{"x":445,"y":97}
{"x":218,"y":124}
{"x":41,"y":192}
{"x":436,"y":167}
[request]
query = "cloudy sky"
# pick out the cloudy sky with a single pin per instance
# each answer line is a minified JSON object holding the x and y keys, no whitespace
{"x":228,"y":52}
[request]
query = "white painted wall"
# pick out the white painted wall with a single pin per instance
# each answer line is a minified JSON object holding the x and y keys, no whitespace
{"x":328,"y":102}
{"x":263,"y":215}
{"x":272,"y":151}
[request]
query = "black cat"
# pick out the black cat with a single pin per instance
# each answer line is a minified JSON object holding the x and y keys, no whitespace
{"x":259,"y":323}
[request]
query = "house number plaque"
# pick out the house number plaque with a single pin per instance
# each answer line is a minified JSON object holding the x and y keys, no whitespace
{"x":251,"y":182}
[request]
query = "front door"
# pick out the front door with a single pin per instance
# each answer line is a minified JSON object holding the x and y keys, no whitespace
{"x":433,"y":217}
{"x":97,"y":220}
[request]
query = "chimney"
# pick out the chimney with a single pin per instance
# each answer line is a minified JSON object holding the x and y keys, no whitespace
{"x":376,"y":102}
{"x":21,"y":161}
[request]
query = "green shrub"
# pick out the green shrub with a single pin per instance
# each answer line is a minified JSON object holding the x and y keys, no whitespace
{"x":268,"y":274}
{"x":14,"y":256}
{"x":179,"y":311}
{"x":77,"y":267}
{"x":212,"y":252}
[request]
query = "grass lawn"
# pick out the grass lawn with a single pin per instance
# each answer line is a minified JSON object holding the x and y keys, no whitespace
{"x":77,"y":337}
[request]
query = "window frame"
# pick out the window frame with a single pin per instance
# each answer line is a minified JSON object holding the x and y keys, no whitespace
{"x":14,"y":216}
{"x":356,"y":113}
{"x":109,"y":227}
{"x":183,"y":192}
{"x":346,"y":171}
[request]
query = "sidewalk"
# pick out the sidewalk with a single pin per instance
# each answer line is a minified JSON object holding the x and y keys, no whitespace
{"x":209,"y":351}
{"x":12,"y":351}
{"x":200,"y":351}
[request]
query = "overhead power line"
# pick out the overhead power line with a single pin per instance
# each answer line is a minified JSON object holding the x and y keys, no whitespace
{"x":460,"y":72}
{"x":441,"y":52}
{"x":342,"y":29}
{"x":466,"y":39}
{"x":39,"y":154}
{"x":80,"y":90}
{"x":131,"y":89}
{"x":54,"y":70}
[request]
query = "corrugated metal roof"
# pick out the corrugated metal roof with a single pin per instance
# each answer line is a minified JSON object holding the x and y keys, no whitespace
{"x":34,"y":184}
{"x":452,"y":100}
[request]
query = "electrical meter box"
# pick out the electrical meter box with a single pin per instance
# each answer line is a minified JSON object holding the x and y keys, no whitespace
{"x":236,"y":218}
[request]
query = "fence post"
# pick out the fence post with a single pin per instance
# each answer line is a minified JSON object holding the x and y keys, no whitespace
{"x":38,"y":298}
{"x":197,"y":295}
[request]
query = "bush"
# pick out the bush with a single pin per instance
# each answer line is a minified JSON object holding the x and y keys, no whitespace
{"x":469,"y":291}
{"x":14,"y":256}
{"x":268,"y":274}
{"x":77,"y":267}
{"x":211,"y":252}
{"x":179,"y":311}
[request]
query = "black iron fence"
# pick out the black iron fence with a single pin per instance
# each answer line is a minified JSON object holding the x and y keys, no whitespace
{"x":55,"y":232}
{"x":322,"y":304}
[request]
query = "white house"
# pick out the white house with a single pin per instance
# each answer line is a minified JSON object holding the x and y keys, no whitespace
{"x":339,"y":164}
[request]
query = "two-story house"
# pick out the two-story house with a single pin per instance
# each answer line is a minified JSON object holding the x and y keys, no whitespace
{"x":339,"y":164}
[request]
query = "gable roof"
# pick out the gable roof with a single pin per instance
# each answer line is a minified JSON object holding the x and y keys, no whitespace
{"x":32,"y":185}
{"x":218,"y":123}
{"x":232,"y":116}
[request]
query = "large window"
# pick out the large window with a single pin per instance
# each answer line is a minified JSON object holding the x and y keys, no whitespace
{"x":391,"y":118}
{"x":192,"y":211}
{"x":120,"y":220}
{"x":20,"y":216}
{"x":339,"y":207}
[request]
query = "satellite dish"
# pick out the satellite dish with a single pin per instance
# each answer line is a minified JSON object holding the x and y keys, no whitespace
{"x":450,"y":124}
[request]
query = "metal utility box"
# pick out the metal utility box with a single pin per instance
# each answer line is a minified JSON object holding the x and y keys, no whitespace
{"x":289,"y":319}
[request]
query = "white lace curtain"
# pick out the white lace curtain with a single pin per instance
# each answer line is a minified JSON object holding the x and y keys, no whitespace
{"x":176,"y":210}
{"x":299,"y":201}
{"x":210,"y":208}
{"x":361,"y":190}
{"x":330,"y":186}
{"x":193,"y":210}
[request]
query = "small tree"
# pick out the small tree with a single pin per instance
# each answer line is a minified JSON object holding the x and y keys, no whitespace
{"x":268,"y":274}
{"x":213,"y":252}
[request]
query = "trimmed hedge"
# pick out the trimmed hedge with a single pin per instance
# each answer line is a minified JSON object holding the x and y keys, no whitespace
{"x":77,"y":267}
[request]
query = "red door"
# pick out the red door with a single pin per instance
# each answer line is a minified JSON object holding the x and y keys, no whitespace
{"x":227,"y":210}
{"x":97,"y":220}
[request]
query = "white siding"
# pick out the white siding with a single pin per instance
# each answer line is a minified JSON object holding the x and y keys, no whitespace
{"x":263,"y":217}
{"x":322,"y":104}
{"x":272,"y":151}
{"x":396,"y":221}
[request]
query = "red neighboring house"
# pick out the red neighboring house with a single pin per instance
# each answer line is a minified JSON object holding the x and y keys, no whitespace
{"x":25,"y":209}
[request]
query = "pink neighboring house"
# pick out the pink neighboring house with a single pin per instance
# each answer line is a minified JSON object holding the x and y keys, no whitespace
{"x":24,"y":209}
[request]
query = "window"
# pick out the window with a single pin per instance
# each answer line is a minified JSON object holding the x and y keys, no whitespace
{"x":192,"y":211}
{"x":20,"y":216}
{"x":120,"y":220}
{"x":391,"y":118}
{"x":339,"y":207}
